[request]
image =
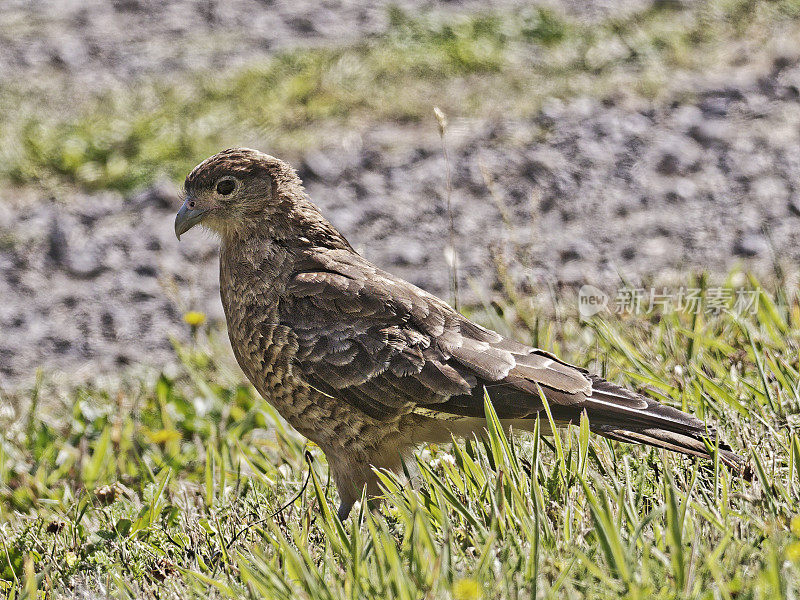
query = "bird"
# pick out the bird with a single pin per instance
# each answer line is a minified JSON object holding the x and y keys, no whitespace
{"x":369,"y":366}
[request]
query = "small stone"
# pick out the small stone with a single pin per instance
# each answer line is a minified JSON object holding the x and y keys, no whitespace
{"x":750,"y":244}
{"x":687,"y":116}
{"x":790,"y":80}
{"x":782,"y":61}
{"x":87,"y":264}
{"x":583,"y":106}
{"x":576,"y":250}
{"x":679,"y":155}
{"x":321,"y":167}
{"x":759,"y":105}
{"x":794,"y":205}
{"x":635,"y":124}
{"x":669,"y":164}
{"x":672,"y":4}
{"x":146,"y":271}
{"x":140,"y":296}
{"x":715,"y":106}
{"x":370,"y":184}
{"x":656,"y":246}
{"x":410,"y":253}
{"x":545,"y":161}
{"x":570,"y":254}
{"x":302,"y":25}
{"x":683,"y":189}
{"x":60,"y":345}
{"x":69,"y":53}
{"x":57,"y":248}
{"x":108,"y":327}
{"x":163,"y":195}
{"x":770,"y":190}
{"x":370,"y":158}
{"x":552,"y":108}
{"x":709,"y":132}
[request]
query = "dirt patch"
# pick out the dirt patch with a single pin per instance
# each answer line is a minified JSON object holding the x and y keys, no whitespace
{"x":97,"y":43}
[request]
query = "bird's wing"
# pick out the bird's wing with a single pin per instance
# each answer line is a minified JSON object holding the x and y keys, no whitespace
{"x":390,"y":348}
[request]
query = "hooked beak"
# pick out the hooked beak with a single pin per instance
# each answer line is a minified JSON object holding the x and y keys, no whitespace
{"x":187,"y":218}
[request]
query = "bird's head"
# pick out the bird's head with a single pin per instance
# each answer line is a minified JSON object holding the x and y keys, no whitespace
{"x":241,"y":192}
{"x":235,"y":187}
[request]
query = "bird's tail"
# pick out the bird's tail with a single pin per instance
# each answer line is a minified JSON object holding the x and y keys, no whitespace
{"x":677,"y":442}
{"x":620,"y":414}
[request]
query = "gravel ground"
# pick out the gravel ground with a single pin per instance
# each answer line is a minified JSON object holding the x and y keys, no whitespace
{"x":97,"y":43}
{"x":591,"y":191}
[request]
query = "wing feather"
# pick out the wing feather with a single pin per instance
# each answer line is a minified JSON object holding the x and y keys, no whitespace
{"x":391,"y":348}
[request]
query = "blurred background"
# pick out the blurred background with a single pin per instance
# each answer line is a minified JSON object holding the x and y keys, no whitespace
{"x":600,"y":142}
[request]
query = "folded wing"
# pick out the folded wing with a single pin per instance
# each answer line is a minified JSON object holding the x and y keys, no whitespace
{"x":390,"y":348}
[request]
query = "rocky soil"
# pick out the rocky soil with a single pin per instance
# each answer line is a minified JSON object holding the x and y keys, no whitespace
{"x":586,"y":192}
{"x":100,"y":42}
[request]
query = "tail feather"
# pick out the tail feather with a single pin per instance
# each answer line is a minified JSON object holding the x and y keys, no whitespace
{"x":653,"y":424}
{"x":677,"y":442}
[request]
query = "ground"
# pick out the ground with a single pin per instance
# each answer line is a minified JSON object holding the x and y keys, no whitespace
{"x":627,"y":145}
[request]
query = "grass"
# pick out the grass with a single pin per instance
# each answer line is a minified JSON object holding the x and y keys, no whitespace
{"x":166,"y":488}
{"x":495,"y":65}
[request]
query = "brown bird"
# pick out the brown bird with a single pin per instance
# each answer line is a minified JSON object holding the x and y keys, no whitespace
{"x":367,"y":365}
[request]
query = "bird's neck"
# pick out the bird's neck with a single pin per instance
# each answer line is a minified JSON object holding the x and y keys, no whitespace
{"x":265,"y":248}
{"x":291,"y":225}
{"x":304,"y":226}
{"x":253,"y":275}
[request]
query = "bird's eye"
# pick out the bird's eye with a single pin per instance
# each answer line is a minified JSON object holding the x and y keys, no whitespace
{"x":226,"y":186}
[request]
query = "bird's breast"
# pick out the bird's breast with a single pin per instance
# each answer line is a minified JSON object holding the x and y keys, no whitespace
{"x":264,"y":347}
{"x":267,"y":350}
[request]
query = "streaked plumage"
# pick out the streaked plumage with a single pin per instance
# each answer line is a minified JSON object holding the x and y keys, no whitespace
{"x":366,"y":364}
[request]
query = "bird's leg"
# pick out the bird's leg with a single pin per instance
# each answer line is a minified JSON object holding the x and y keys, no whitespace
{"x":348,"y":475}
{"x":344,"y":509}
{"x":373,"y":504}
{"x":355,"y":479}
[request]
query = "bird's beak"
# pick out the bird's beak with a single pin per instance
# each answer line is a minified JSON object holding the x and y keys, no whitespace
{"x":187,"y":218}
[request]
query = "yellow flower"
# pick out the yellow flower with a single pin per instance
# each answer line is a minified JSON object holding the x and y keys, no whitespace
{"x":194,"y":318}
{"x":794,"y":525}
{"x":466,"y":589}
{"x":793,"y":551}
